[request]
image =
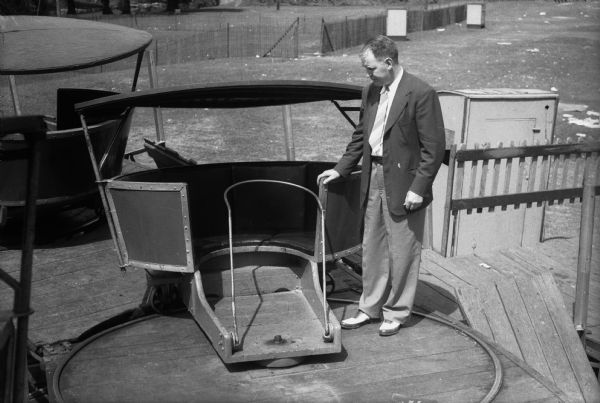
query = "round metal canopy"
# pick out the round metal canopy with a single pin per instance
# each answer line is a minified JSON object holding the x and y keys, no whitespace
{"x":36,"y":45}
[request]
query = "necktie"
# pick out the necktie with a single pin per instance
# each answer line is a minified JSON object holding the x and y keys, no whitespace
{"x":376,"y":136}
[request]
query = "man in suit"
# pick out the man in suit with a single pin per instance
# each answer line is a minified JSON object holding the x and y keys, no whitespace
{"x":400,"y":137}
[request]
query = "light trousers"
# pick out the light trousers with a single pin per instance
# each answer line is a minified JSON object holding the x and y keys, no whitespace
{"x":391,"y":255}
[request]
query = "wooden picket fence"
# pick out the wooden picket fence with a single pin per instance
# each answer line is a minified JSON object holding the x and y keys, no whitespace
{"x":354,"y":32}
{"x":485,"y":179}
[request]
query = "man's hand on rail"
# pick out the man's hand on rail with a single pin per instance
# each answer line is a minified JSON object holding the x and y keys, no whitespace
{"x":328,"y":176}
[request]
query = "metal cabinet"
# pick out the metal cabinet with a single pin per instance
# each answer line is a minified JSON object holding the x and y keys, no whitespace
{"x":493,"y":117}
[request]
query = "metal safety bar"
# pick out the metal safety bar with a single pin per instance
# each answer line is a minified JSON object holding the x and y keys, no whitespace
{"x":327,"y":335}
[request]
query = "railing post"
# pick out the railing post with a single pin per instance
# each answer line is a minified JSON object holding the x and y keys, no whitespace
{"x":290,"y":150}
{"x":586,"y":234}
{"x":153,"y":80}
{"x":297,"y":38}
{"x":228,"y":40}
{"x":14,"y":94}
{"x":346,"y":39}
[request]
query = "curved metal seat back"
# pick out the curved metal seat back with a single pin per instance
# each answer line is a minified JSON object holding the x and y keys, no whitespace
{"x":263,"y":214}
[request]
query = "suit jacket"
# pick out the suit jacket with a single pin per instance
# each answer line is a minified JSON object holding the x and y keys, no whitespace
{"x":413,"y":142}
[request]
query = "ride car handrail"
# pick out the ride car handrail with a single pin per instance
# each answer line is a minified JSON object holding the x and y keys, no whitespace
{"x":327,"y":336}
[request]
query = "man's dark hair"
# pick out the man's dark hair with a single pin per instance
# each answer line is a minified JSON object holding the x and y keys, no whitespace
{"x":382,"y":48}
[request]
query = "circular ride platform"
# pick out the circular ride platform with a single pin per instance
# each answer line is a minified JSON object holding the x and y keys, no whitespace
{"x":168,"y":358}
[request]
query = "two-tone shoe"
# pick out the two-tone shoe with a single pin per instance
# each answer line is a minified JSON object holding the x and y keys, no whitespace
{"x":389,"y":327}
{"x":357,"y":321}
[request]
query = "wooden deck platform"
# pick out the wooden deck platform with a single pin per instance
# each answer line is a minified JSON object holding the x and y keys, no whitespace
{"x":518,"y":305}
{"x":416,"y":366}
{"x":77,"y":284}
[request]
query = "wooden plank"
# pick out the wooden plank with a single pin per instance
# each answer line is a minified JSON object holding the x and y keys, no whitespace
{"x":448,"y":200}
{"x":517,"y":198}
{"x":499,"y":320}
{"x":458,"y":191}
{"x":531,"y":176}
{"x":528,"y":262}
{"x":503,"y":265}
{"x":74,"y":326}
{"x":522,"y":325}
{"x":473,"y":177}
{"x":496,"y":167}
{"x":524,"y":262}
{"x":415,"y":388}
{"x":519,"y":390}
{"x":557,"y":258}
{"x":553,"y":178}
{"x":412,"y":373}
{"x":577,"y":172}
{"x":433,"y":263}
{"x":531,"y":262}
{"x":75,"y":287}
{"x":570,"y":340}
{"x":10,"y":258}
{"x":544,"y":176}
{"x":554,"y":353}
{"x":526,"y":151}
{"x":566,"y":169}
{"x":507,"y":175}
{"x":455,"y":276}
{"x":552,"y":175}
{"x":471,"y":306}
{"x":490,"y":301}
{"x":177,"y":368}
{"x":563,"y":162}
{"x":483,"y":179}
{"x":520,"y":175}
{"x":513,"y":368}
{"x":432,"y":296}
{"x":525,"y":265}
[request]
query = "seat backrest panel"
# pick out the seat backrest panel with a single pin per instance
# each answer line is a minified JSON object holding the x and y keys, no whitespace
{"x":152,"y":224}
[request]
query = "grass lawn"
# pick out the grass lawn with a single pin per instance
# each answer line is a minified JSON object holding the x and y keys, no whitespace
{"x":526,"y":44}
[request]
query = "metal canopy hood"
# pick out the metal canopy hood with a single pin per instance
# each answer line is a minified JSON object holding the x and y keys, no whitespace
{"x":227,"y":95}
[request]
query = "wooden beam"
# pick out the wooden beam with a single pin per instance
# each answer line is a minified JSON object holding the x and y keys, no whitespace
{"x":518,"y":198}
{"x":586,"y":236}
{"x":526,"y":151}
